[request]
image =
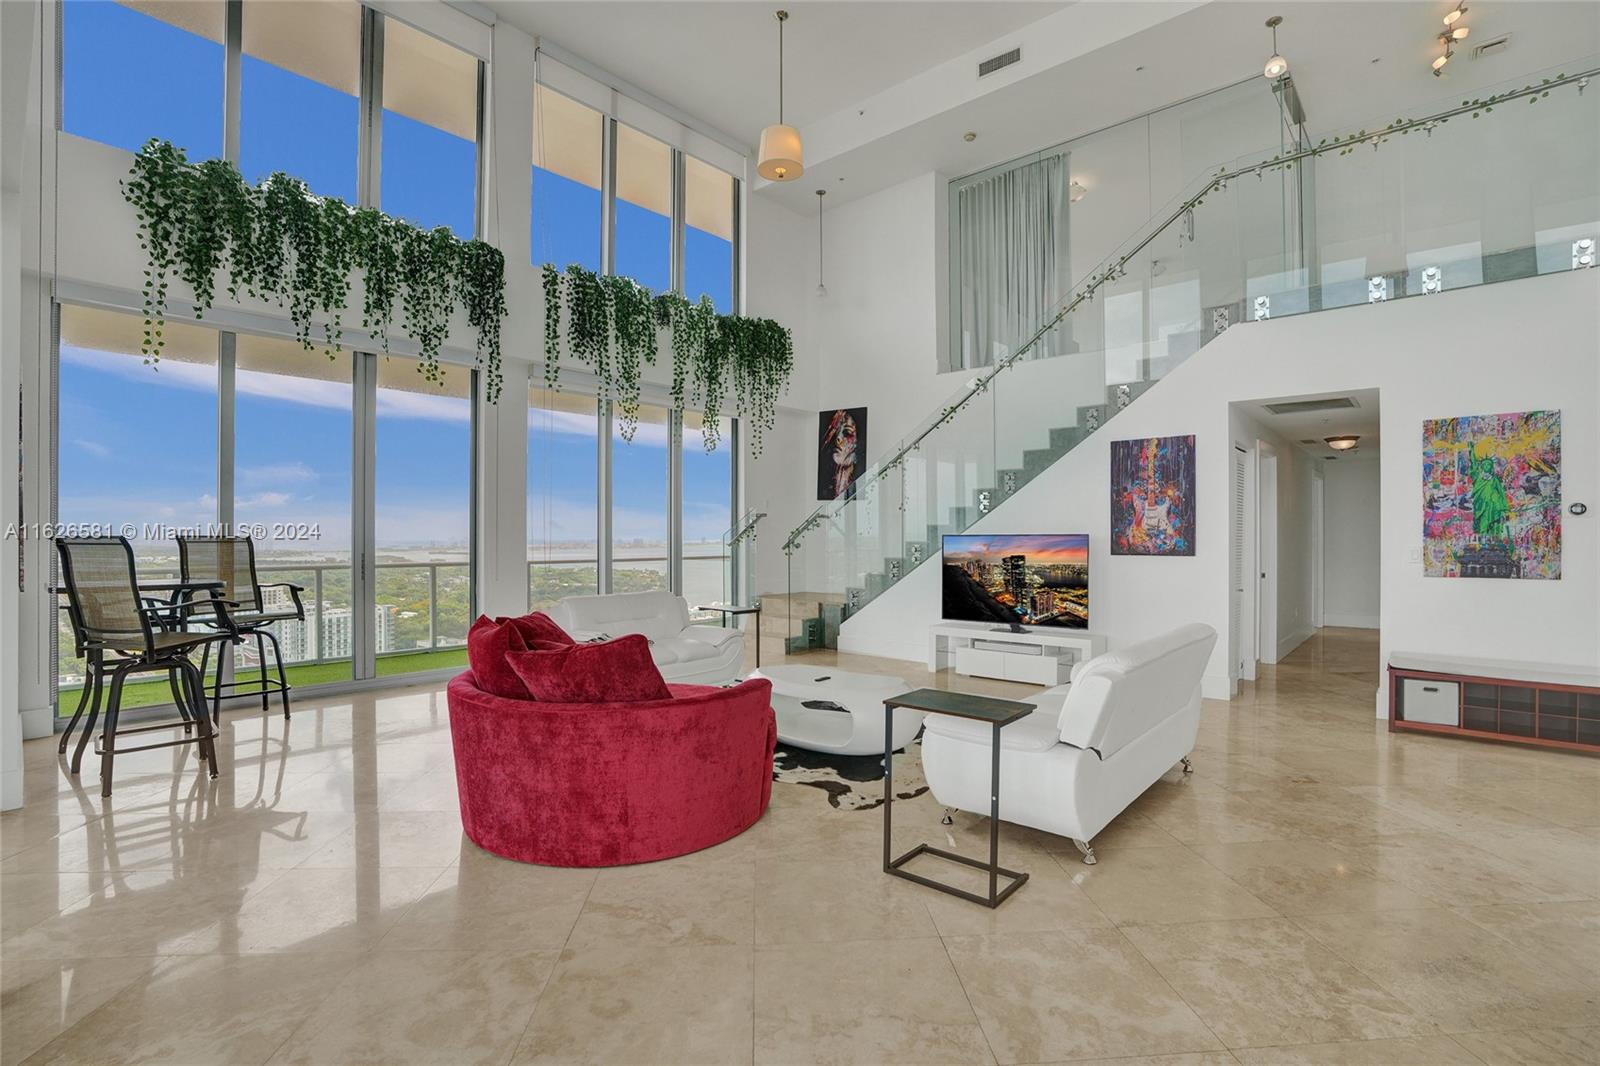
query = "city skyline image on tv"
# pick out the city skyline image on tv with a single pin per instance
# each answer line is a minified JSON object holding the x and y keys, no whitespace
{"x":1021,"y":579}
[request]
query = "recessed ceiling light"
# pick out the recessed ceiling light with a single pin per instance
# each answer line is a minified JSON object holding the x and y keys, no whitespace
{"x":969,"y":136}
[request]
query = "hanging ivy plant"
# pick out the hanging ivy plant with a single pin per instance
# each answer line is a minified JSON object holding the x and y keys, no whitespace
{"x":633,"y":324}
{"x":552,"y":325}
{"x":589,"y":324}
{"x":710,"y":381}
{"x":279,"y":241}
{"x":615,"y":316}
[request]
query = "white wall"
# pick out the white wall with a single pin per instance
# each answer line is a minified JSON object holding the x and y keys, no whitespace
{"x":1519,"y":345}
{"x":1351,"y":542}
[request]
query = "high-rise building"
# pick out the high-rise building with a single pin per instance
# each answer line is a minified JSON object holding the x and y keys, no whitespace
{"x":338,"y":642}
{"x":1014,"y":575}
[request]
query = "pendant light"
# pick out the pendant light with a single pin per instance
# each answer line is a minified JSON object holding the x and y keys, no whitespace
{"x":1277,"y":66}
{"x":822,"y":290}
{"x":781,"y":157}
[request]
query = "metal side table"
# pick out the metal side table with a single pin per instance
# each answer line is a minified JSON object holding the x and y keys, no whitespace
{"x":998,"y":713}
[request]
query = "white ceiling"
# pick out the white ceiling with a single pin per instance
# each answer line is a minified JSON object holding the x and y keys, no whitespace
{"x":717,"y":61}
{"x":1330,"y":44}
{"x":1361,"y":420}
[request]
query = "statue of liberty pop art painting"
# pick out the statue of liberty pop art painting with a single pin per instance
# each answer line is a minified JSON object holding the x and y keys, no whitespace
{"x":1491,"y":496}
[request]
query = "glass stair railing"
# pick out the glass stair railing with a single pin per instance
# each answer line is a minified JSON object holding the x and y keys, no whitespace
{"x":1496,"y":187}
{"x":739,"y":555}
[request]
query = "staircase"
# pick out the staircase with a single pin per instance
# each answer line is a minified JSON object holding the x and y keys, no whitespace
{"x":1244,"y":244}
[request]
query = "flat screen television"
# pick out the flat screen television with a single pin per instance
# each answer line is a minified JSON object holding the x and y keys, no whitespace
{"x":1025,"y":580}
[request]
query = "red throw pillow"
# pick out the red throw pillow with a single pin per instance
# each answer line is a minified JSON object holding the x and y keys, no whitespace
{"x":616,"y":671}
{"x":539,"y":626}
{"x":488,"y":642}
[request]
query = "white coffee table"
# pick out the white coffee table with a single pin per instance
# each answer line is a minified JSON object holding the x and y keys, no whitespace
{"x":856,"y":729}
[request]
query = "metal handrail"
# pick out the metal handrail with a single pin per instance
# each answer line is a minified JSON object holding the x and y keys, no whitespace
{"x":1099,"y":277}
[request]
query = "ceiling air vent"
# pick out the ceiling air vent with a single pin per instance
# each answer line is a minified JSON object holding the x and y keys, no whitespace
{"x":1297,"y":407}
{"x":1492,"y":48}
{"x":1004,"y":59}
{"x":1313,"y":443}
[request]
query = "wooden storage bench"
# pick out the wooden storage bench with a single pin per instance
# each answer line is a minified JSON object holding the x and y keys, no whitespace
{"x":1546,"y":704}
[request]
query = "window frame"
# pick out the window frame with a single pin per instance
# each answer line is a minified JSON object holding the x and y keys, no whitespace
{"x":363,"y":499}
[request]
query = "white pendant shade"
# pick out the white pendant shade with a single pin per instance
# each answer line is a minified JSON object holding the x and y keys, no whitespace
{"x":781,"y":158}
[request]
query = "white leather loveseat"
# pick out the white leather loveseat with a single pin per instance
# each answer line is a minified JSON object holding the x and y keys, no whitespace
{"x":1090,"y":749}
{"x":685,"y":653}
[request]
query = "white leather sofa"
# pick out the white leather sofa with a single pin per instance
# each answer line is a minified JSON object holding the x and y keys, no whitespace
{"x":686,"y":653}
{"x":1092,"y":747}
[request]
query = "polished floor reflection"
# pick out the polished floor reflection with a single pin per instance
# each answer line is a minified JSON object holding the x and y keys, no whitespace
{"x":1319,"y":891}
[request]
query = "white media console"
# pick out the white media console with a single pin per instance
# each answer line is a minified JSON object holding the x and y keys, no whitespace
{"x":1037,"y":656}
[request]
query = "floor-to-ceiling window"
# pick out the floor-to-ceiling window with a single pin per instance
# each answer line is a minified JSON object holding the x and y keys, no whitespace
{"x":300,"y":84}
{"x":708,"y":234}
{"x":644,"y":210}
{"x":293,"y":491}
{"x":640,"y":523}
{"x":429,"y":170}
{"x":568,"y":158}
{"x":673,"y":226}
{"x":130,"y":72}
{"x":423,"y":518}
{"x":707,"y":512}
{"x":563,"y":495}
{"x":137,"y":450}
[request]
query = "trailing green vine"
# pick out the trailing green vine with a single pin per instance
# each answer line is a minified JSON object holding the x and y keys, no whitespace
{"x":279,"y":241}
{"x":552,"y":326}
{"x":613,"y":324}
{"x":633,"y":325}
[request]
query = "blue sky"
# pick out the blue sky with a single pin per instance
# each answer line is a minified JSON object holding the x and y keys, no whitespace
{"x":128,"y":77}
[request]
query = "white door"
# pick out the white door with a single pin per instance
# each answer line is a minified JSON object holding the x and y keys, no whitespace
{"x":1237,"y":570}
{"x":1266,"y":554}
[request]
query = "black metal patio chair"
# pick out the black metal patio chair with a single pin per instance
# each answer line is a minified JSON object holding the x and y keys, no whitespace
{"x":232,"y":560}
{"x":123,"y":634}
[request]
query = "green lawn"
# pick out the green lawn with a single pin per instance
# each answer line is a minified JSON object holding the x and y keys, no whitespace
{"x":155,"y":691}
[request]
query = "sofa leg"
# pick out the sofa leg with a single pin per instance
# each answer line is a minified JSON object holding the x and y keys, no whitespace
{"x":1186,"y":767}
{"x":947,"y":820}
{"x":1088,"y":853}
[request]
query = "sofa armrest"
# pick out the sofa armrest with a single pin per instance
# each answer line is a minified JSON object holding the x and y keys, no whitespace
{"x":714,"y":635}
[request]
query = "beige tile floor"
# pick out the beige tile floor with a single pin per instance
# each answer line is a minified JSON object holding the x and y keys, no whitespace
{"x":1319,"y":891}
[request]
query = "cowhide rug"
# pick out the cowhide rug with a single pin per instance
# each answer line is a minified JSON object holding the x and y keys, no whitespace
{"x":850,"y":782}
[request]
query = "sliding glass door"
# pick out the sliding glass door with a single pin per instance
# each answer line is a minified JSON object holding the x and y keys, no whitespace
{"x":136,"y":452}
{"x":293,"y":492}
{"x":423,"y":518}
{"x":258,"y":435}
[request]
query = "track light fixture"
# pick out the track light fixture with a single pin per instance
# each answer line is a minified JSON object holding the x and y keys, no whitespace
{"x":1453,"y":32}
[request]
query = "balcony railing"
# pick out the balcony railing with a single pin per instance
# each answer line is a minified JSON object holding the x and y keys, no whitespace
{"x":1492,"y":188}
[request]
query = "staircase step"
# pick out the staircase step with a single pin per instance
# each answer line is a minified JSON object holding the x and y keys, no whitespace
{"x":1092,"y":416}
{"x":1010,"y":481}
{"x":1037,"y":459}
{"x":917,"y":553}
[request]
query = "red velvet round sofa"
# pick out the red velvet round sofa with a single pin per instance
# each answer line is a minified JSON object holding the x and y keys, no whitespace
{"x":607,"y":784}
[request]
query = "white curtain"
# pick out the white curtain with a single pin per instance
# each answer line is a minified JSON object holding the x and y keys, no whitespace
{"x":1011,"y":260}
